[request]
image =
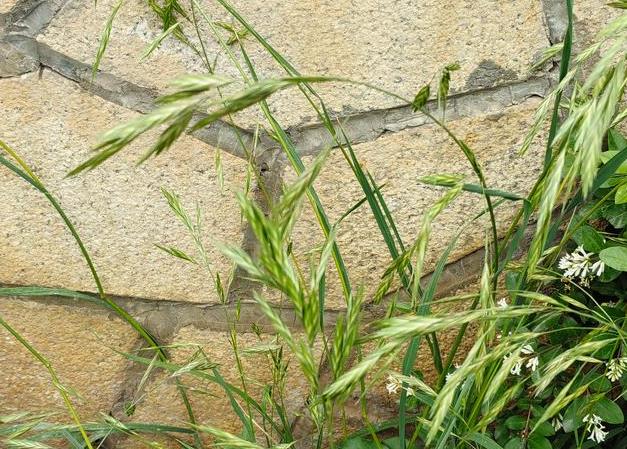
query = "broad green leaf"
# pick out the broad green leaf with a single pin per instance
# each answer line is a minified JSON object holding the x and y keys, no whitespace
{"x":607,"y":156}
{"x":357,"y":443}
{"x":545,"y":429}
{"x":609,"y":411}
{"x":538,"y":442}
{"x":589,"y":238}
{"x":621,"y":194}
{"x":514,"y":443}
{"x":601,"y":384}
{"x":609,"y":274}
{"x":615,"y":257}
{"x":515,"y":422}
{"x":616,"y":214}
{"x":615,"y":141}
{"x":484,"y":441}
{"x":393,"y":443}
{"x":572,"y":416}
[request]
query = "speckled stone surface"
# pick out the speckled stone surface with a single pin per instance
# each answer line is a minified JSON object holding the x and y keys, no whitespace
{"x":6,"y":5}
{"x":397,"y":161}
{"x":118,"y":208}
{"x":80,"y":347}
{"x":160,"y":401}
{"x":396,"y":45}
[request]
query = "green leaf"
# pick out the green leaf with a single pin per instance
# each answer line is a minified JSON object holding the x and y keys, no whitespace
{"x":393,"y":443}
{"x":421,"y":97}
{"x":615,"y":141}
{"x":357,"y":443}
{"x":176,"y":253}
{"x":158,"y":41}
{"x":601,"y":384}
{"x":484,"y":441}
{"x":618,"y":166}
{"x":621,"y":194}
{"x":621,"y":4}
{"x":454,"y":66}
{"x":545,"y":429}
{"x":104,"y":40}
{"x":538,"y":442}
{"x":616,"y":214}
{"x":572,"y":416}
{"x":609,"y":411}
{"x":501,"y":433}
{"x":515,"y":422}
{"x":615,"y":257}
{"x":443,"y":86}
{"x":447,"y":180}
{"x":514,"y":443}
{"x":589,"y":238}
{"x":609,"y":274}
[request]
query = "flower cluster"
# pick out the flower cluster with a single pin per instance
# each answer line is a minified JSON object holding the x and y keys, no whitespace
{"x":395,"y":384}
{"x":558,"y":422}
{"x":448,"y":376}
{"x":596,"y":429}
{"x":531,"y":359}
{"x":578,"y":264}
{"x":616,"y":368}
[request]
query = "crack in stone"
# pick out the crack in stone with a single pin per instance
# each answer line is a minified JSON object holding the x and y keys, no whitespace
{"x":20,"y":53}
{"x":370,"y":125}
{"x":309,"y":139}
{"x":165,"y":317}
{"x":219,"y":134}
{"x":31,"y":17}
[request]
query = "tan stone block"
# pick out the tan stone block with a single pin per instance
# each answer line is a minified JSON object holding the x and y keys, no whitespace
{"x":118,"y":208}
{"x":591,"y":16}
{"x":160,"y":401}
{"x":396,"y":45}
{"x":6,"y":5}
{"x":398,"y":160}
{"x":79,"y":343}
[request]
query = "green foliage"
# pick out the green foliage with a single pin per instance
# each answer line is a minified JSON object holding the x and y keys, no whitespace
{"x":547,"y":368}
{"x":104,"y":39}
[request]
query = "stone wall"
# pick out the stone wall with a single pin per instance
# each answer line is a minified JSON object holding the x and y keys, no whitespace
{"x":52,"y":111}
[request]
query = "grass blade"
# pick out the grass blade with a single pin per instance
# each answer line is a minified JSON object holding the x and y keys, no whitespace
{"x":104,"y":39}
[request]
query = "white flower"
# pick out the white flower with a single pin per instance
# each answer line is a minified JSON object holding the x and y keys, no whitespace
{"x":596,"y":429}
{"x":516,"y":368}
{"x":527,"y":350}
{"x":598,"y":434}
{"x":597,"y":268}
{"x":558,"y":422}
{"x":533,"y":363}
{"x":578,"y":265}
{"x":616,"y":368}
{"x":502,"y":303}
{"x":393,"y":385}
{"x":448,"y":376}
{"x":410,"y":391}
{"x":594,"y":419}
